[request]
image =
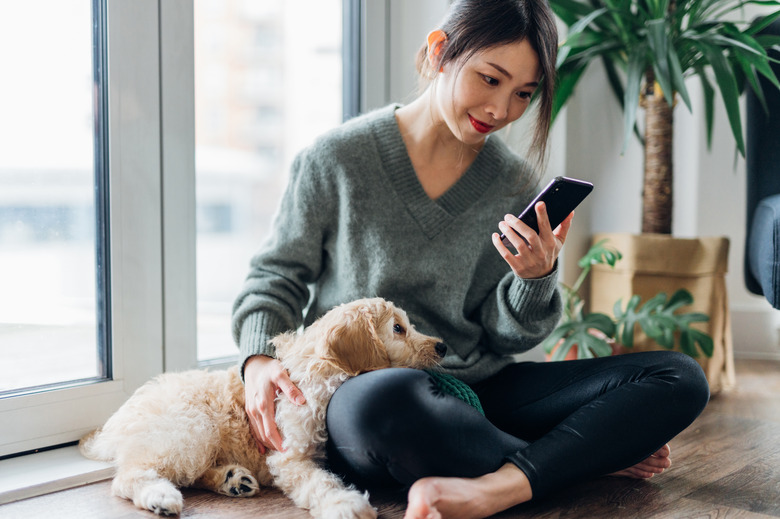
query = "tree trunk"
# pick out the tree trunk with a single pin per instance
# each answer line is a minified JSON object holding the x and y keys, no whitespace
{"x":657,"y":189}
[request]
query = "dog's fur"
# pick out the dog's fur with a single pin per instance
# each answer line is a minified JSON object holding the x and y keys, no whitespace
{"x":190,"y":429}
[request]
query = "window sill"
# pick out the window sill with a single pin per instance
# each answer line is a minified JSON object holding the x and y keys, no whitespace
{"x":50,"y":471}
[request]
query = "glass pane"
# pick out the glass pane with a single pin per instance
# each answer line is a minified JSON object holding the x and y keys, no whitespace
{"x":48,"y":309}
{"x":267,"y":82}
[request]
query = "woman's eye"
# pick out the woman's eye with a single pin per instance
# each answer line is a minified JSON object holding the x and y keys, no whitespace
{"x":524,"y":95}
{"x":397,"y":328}
{"x":489,"y":80}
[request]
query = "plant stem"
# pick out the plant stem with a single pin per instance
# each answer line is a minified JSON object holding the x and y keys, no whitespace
{"x":657,"y":188}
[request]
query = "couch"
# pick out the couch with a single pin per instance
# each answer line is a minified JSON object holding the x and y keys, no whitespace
{"x":762,"y":244}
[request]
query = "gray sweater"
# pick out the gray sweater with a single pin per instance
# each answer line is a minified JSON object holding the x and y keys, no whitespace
{"x":355,"y":222}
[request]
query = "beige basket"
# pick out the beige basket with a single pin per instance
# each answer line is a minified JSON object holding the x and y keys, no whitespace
{"x":655,"y":263}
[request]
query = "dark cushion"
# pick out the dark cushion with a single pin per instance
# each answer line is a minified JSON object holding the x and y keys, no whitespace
{"x":764,"y":248}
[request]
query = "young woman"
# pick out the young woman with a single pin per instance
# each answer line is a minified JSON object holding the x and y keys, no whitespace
{"x":403,"y":203}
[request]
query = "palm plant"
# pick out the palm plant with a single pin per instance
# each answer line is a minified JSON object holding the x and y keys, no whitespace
{"x":649,"y":48}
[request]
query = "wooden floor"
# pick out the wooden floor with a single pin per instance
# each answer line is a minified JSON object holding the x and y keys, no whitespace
{"x":726,"y":466}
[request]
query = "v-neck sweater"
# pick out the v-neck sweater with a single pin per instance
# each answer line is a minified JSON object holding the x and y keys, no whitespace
{"x":355,"y":222}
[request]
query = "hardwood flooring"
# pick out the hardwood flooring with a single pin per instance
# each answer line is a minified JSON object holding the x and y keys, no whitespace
{"x":726,"y":466}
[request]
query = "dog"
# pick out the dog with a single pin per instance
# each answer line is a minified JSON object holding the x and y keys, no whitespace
{"x":190,"y":429}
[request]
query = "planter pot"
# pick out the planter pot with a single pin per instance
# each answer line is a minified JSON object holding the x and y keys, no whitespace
{"x":655,"y":263}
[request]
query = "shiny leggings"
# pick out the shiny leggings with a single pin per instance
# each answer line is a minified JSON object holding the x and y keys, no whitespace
{"x":559,"y":422}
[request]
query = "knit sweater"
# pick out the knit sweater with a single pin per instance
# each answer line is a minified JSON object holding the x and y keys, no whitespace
{"x":355,"y":222}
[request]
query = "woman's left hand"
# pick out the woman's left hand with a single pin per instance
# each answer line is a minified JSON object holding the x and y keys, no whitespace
{"x":535,"y":257}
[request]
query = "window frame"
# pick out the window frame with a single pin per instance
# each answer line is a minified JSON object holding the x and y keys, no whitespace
{"x":38,"y":420}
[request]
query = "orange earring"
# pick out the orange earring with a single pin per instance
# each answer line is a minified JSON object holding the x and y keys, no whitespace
{"x":436,"y":39}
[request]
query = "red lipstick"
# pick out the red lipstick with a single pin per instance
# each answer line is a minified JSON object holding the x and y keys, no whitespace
{"x":479,"y":125}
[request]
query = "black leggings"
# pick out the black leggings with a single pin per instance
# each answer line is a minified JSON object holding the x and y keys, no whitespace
{"x":559,"y":422}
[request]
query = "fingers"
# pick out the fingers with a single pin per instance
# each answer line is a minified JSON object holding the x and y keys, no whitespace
{"x":254,"y":428}
{"x":562,"y":230}
{"x":270,"y":431}
{"x":290,"y":390}
{"x":264,"y":378}
{"x":535,"y":253}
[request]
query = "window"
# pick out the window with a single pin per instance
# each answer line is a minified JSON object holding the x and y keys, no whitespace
{"x":267,"y":81}
{"x":81,"y":222}
{"x":50,"y":315}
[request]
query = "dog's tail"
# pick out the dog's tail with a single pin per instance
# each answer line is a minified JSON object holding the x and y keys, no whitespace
{"x":90,"y":447}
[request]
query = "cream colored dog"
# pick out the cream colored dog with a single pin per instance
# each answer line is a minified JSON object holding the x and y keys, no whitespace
{"x":190,"y":429}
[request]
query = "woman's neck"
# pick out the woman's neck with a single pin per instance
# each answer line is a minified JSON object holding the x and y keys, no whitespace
{"x":423,"y":126}
{"x":439,"y":158}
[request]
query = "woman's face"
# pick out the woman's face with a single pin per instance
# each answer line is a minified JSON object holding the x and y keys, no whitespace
{"x":492,"y":89}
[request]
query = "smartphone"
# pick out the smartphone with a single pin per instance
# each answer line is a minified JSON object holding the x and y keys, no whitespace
{"x":560,"y":196}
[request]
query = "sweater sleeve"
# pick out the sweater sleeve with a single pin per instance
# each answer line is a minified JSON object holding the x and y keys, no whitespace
{"x":520,"y":313}
{"x":276,"y":290}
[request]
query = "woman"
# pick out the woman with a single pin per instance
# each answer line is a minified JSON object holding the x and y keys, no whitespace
{"x":401,"y":203}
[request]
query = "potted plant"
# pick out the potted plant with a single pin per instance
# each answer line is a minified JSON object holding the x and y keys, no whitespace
{"x":649,"y":48}
{"x":596,"y":334}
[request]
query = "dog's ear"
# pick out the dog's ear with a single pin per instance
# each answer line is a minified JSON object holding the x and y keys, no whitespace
{"x":353,"y":346}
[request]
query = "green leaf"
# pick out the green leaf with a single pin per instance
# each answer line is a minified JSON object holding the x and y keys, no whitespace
{"x":762,"y":23}
{"x":565,"y":87}
{"x":569,"y":11}
{"x":678,"y":80}
{"x":581,"y":24}
{"x":709,"y":105}
{"x":704,"y":341}
{"x":636,"y":67}
{"x":600,"y":254}
{"x":617,"y":89}
{"x":559,"y":333}
{"x":693,"y":317}
{"x":600,"y":322}
{"x":728,"y":90}
{"x":658,"y":39}
{"x":752,"y":79}
{"x":681,"y":297}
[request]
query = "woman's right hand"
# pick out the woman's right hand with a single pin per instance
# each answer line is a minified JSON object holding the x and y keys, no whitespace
{"x":264,"y":377}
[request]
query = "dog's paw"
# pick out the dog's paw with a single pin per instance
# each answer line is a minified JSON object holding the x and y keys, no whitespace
{"x":347,"y":505}
{"x":162,"y":498}
{"x":239,"y":482}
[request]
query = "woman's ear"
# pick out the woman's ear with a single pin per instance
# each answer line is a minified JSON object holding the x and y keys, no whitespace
{"x":436,"y":41}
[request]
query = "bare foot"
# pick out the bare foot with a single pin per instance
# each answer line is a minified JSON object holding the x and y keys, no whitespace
{"x":462,"y":498}
{"x":648,"y":468}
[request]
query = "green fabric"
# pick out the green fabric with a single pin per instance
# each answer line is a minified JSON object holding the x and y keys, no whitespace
{"x":355,"y":222}
{"x":457,"y":388}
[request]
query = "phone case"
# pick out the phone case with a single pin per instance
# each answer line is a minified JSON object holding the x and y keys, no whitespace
{"x":561,"y":196}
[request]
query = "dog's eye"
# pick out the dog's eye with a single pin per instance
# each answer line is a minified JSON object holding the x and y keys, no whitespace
{"x":397,"y":328}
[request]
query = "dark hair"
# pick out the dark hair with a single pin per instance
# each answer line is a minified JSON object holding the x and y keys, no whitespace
{"x":475,"y":25}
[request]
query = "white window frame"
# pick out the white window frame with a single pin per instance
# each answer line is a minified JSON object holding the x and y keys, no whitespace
{"x":145,"y":240}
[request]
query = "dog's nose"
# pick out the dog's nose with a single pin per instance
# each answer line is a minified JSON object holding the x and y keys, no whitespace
{"x":441,"y":349}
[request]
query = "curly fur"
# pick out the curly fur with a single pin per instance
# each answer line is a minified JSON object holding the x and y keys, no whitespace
{"x":190,"y":429}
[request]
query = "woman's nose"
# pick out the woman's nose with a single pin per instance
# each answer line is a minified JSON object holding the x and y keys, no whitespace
{"x":498,"y":108}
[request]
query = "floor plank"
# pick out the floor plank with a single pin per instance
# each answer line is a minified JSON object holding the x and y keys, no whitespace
{"x":726,"y":466}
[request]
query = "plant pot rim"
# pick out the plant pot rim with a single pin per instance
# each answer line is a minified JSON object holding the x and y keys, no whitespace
{"x":702,"y":256}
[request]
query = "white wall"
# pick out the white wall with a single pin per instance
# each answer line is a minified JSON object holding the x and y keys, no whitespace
{"x":709,"y":186}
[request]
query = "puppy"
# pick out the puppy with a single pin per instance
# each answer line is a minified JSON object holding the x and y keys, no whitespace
{"x":190,"y":429}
